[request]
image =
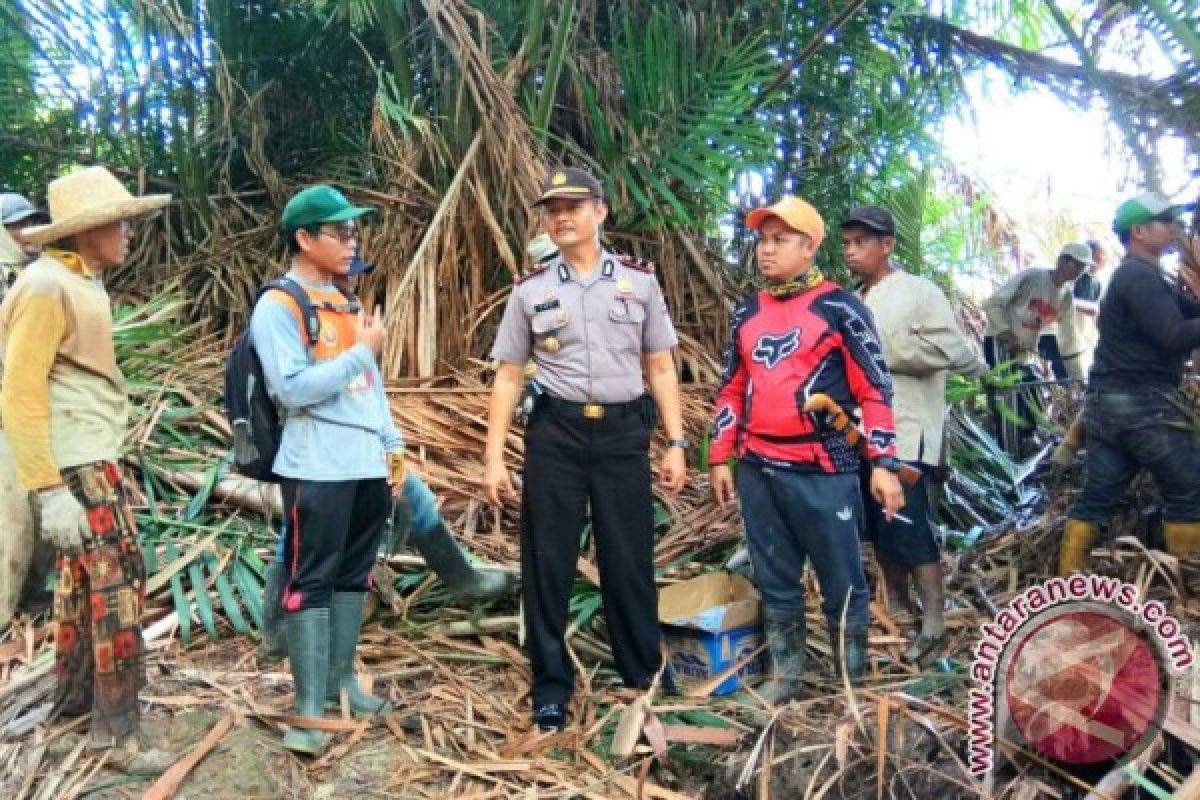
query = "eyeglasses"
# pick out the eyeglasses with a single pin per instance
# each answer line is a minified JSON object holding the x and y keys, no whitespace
{"x":343,"y":233}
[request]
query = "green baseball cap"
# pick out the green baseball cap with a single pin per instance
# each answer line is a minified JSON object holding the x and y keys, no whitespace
{"x":1145,"y":208}
{"x":321,"y":203}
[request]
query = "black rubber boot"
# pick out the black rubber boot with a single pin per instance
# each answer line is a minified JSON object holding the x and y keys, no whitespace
{"x":466,"y":583}
{"x":856,"y":655}
{"x":786,"y":633}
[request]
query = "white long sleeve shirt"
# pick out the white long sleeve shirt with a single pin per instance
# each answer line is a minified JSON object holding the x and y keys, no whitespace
{"x":1029,"y":304}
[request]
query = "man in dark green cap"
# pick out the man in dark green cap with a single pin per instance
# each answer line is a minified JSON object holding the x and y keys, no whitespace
{"x":416,"y":519}
{"x":340,"y":456}
{"x":1134,"y":412}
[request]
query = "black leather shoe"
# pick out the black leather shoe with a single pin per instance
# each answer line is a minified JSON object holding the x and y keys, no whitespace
{"x":550,"y":718}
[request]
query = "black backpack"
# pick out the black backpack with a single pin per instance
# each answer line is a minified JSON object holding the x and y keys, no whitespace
{"x":256,"y":422}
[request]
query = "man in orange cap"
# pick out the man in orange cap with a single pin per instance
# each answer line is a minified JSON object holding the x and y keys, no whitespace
{"x":796,"y":479}
{"x":65,"y":413}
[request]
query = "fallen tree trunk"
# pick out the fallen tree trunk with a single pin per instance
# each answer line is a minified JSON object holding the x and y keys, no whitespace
{"x":234,"y":490}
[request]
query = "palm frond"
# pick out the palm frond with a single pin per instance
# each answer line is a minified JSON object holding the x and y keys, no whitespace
{"x":673,"y":136}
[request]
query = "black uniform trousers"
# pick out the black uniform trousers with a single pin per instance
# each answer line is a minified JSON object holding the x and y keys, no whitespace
{"x":572,"y":463}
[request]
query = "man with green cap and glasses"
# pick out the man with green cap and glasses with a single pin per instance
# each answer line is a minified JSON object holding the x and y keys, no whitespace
{"x":340,"y":456}
{"x":416,"y":520}
{"x":1134,"y":412}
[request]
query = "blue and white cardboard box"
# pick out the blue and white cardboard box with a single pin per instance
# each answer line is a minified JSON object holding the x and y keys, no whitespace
{"x":709,"y":623}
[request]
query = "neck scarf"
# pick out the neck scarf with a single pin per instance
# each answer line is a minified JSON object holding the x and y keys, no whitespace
{"x":797,"y":285}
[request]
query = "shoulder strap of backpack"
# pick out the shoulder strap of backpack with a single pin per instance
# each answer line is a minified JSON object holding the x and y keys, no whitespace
{"x":352,"y":303}
{"x":308,"y":311}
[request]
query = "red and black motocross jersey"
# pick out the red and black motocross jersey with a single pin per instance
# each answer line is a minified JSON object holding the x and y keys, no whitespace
{"x":781,"y":351}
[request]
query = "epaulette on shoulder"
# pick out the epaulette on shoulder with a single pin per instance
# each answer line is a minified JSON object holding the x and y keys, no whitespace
{"x":640,"y":264}
{"x":541,"y":267}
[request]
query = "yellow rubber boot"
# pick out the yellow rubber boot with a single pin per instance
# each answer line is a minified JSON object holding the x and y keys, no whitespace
{"x":1078,"y":538}
{"x":1183,"y":538}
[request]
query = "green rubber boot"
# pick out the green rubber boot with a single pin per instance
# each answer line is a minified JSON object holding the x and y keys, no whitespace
{"x":308,"y":651}
{"x":466,"y":583}
{"x":273,"y":646}
{"x":346,"y":616}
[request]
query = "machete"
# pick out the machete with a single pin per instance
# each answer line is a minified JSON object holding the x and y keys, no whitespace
{"x":840,"y":422}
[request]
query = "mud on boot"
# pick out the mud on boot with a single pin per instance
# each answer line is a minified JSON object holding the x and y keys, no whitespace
{"x":929,"y":641}
{"x":787,"y":634}
{"x":856,"y":654}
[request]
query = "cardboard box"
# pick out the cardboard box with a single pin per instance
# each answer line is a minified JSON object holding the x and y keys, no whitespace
{"x":709,"y":623}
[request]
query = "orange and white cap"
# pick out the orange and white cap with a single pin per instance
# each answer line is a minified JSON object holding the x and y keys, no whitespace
{"x":796,"y":213}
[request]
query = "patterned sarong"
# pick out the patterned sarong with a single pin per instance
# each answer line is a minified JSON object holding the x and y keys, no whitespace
{"x":98,"y":608}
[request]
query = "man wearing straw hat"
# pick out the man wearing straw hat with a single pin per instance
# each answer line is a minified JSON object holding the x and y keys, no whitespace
{"x":64,"y":415}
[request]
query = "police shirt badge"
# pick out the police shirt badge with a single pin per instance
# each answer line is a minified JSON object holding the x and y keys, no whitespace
{"x":550,"y":301}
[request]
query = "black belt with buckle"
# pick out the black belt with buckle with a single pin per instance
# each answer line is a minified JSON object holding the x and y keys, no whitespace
{"x":797,"y":438}
{"x":592,"y":411}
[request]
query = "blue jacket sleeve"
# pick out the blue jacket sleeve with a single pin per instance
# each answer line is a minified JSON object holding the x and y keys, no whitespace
{"x":292,"y":379}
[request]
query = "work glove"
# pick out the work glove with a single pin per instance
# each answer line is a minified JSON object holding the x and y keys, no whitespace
{"x":60,"y":519}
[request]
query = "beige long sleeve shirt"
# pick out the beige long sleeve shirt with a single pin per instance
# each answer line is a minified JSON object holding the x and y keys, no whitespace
{"x":921,"y":343}
{"x":63,"y":396}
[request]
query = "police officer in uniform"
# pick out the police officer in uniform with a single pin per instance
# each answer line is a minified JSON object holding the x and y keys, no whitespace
{"x":597,"y":328}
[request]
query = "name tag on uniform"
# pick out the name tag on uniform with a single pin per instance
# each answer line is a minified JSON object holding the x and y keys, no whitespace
{"x":546,"y":306}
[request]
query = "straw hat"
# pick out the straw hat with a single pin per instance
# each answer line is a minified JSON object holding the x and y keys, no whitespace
{"x":89,"y":198}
